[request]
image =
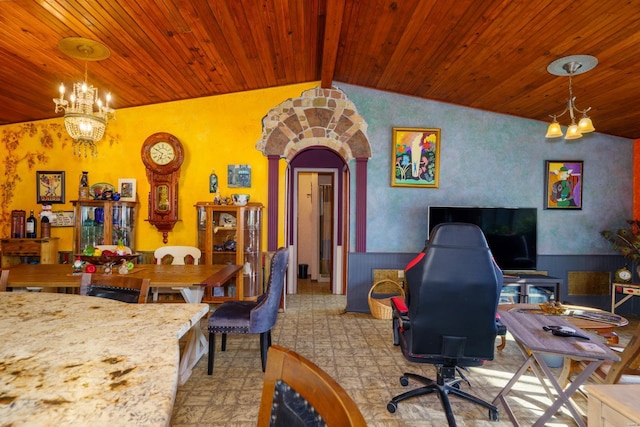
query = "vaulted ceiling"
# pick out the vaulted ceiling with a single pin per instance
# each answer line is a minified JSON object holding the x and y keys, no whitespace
{"x":488,"y":54}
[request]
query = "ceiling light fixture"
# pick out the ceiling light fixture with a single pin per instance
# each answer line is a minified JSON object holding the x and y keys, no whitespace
{"x":571,"y":66}
{"x":83,"y":124}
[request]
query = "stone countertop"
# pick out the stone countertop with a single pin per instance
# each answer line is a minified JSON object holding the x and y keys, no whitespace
{"x":77,"y":360}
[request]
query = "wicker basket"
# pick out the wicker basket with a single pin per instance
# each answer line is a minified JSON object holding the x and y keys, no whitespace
{"x":381,"y":307}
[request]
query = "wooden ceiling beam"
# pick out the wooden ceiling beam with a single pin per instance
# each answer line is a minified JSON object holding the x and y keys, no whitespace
{"x":331,"y":40}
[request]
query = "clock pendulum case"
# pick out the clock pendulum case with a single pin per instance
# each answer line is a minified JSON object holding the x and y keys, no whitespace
{"x":162,"y":155}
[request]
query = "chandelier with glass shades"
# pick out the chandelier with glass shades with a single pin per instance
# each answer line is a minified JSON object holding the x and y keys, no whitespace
{"x":85,"y":114}
{"x":571,"y":66}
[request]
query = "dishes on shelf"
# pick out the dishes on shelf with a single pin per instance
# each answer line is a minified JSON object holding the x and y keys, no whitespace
{"x":99,"y":189}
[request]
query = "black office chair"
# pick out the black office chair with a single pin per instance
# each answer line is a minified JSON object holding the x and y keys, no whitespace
{"x":450,"y":317}
{"x":245,"y":317}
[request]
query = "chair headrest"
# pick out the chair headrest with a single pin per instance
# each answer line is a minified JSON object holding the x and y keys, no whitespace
{"x":457,"y":234}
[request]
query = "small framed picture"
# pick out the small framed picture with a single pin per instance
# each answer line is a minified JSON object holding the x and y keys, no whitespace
{"x":127,"y":189}
{"x":563,"y":186}
{"x":239,"y":176}
{"x":415,"y":158}
{"x":50,"y":187}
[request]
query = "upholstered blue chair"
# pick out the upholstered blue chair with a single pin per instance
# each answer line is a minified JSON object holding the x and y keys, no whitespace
{"x":243,"y":317}
{"x":449,"y":320}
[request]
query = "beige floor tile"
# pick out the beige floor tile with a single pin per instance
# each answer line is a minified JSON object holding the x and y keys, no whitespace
{"x":357,"y":351}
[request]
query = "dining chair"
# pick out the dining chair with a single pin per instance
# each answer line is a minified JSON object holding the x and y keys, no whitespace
{"x":116,"y":287}
{"x":625,"y":371}
{"x":178,"y":255}
{"x":4,"y":279}
{"x":243,"y":317}
{"x":174,"y":255}
{"x":296,"y":389}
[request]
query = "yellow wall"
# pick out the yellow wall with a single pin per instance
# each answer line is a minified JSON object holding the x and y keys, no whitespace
{"x":215,"y":132}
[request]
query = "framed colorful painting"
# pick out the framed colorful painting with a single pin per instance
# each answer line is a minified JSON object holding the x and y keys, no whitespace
{"x":239,"y":176}
{"x":563,"y":184}
{"x":416,"y":157}
{"x":49,"y":187}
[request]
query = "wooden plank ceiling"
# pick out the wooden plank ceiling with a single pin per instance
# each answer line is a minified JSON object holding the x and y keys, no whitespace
{"x":489,"y":54}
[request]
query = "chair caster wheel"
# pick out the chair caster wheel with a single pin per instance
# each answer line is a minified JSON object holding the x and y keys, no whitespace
{"x":404,"y":381}
{"x":493,"y":415}
{"x":392,"y":406}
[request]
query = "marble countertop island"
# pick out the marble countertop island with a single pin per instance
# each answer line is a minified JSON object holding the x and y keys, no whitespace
{"x":86,"y":361}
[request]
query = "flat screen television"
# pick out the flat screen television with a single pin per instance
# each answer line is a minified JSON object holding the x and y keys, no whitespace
{"x":510,"y":232}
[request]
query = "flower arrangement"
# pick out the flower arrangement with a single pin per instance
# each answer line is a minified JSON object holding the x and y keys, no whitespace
{"x":626,"y":240}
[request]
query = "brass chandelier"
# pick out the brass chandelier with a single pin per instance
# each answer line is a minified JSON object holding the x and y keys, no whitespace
{"x":85,"y":125}
{"x":571,"y":66}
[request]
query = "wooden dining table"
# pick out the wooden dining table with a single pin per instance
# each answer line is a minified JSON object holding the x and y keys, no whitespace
{"x":72,"y":360}
{"x":190,"y":280}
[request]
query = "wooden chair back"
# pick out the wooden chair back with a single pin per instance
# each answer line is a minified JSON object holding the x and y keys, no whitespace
{"x":608,"y":372}
{"x":178,"y":253}
{"x":325,"y":397}
{"x":4,"y":279}
{"x":628,"y":365}
{"x":119,"y":287}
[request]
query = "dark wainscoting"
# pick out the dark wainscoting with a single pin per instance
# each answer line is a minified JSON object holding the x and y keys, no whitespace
{"x":361,"y":266}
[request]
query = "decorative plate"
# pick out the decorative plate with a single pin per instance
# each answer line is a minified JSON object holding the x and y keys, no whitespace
{"x":99,"y":188}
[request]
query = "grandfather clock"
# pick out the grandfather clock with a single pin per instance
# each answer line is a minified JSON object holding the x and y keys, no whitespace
{"x":162,"y":155}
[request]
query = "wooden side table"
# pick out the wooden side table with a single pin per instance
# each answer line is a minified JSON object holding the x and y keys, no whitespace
{"x":15,"y":249}
{"x":627,"y":289}
{"x":614,"y":405}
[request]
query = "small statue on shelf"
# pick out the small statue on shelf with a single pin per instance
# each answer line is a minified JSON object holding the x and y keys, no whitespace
{"x":123,"y":269}
{"x":77,"y":266}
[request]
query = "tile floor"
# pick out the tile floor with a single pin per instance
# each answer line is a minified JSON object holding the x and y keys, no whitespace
{"x":357,"y":350}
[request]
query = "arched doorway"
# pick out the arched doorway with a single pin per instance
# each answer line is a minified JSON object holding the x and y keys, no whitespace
{"x":321,"y":122}
{"x":317,"y":219}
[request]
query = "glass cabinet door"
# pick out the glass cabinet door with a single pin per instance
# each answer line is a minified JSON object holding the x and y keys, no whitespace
{"x":103,"y":222}
{"x":122,"y":217}
{"x":252,"y":253}
{"x":92,"y":226}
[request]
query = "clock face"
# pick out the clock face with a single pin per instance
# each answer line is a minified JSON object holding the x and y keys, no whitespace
{"x":624,"y":274}
{"x":162,"y":153}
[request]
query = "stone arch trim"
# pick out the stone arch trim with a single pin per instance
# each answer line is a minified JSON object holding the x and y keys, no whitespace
{"x":319,"y":117}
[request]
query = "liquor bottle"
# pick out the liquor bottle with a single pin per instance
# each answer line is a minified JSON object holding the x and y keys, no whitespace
{"x":83,"y":189}
{"x":31,"y":225}
{"x":45,"y":228}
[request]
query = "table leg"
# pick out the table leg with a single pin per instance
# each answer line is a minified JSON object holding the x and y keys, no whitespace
{"x":564,"y":396}
{"x":542,"y":372}
{"x":501,"y":397}
{"x":197,"y":344}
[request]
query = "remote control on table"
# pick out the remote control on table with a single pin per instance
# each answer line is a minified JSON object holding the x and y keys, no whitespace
{"x":565,"y":331}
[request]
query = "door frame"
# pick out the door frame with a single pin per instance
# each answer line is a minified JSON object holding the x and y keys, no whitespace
{"x":337,"y":251}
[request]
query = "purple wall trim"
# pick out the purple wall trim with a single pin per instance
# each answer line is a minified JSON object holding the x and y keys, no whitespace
{"x":361,"y":205}
{"x":272,"y":204}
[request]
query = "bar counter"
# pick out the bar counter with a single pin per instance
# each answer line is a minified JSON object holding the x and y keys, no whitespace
{"x":77,"y":360}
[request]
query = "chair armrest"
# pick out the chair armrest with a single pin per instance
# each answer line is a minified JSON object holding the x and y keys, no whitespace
{"x":399,"y":306}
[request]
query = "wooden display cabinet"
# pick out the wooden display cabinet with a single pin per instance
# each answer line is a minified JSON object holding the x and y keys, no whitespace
{"x":229,"y":234}
{"x":103,"y":222}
